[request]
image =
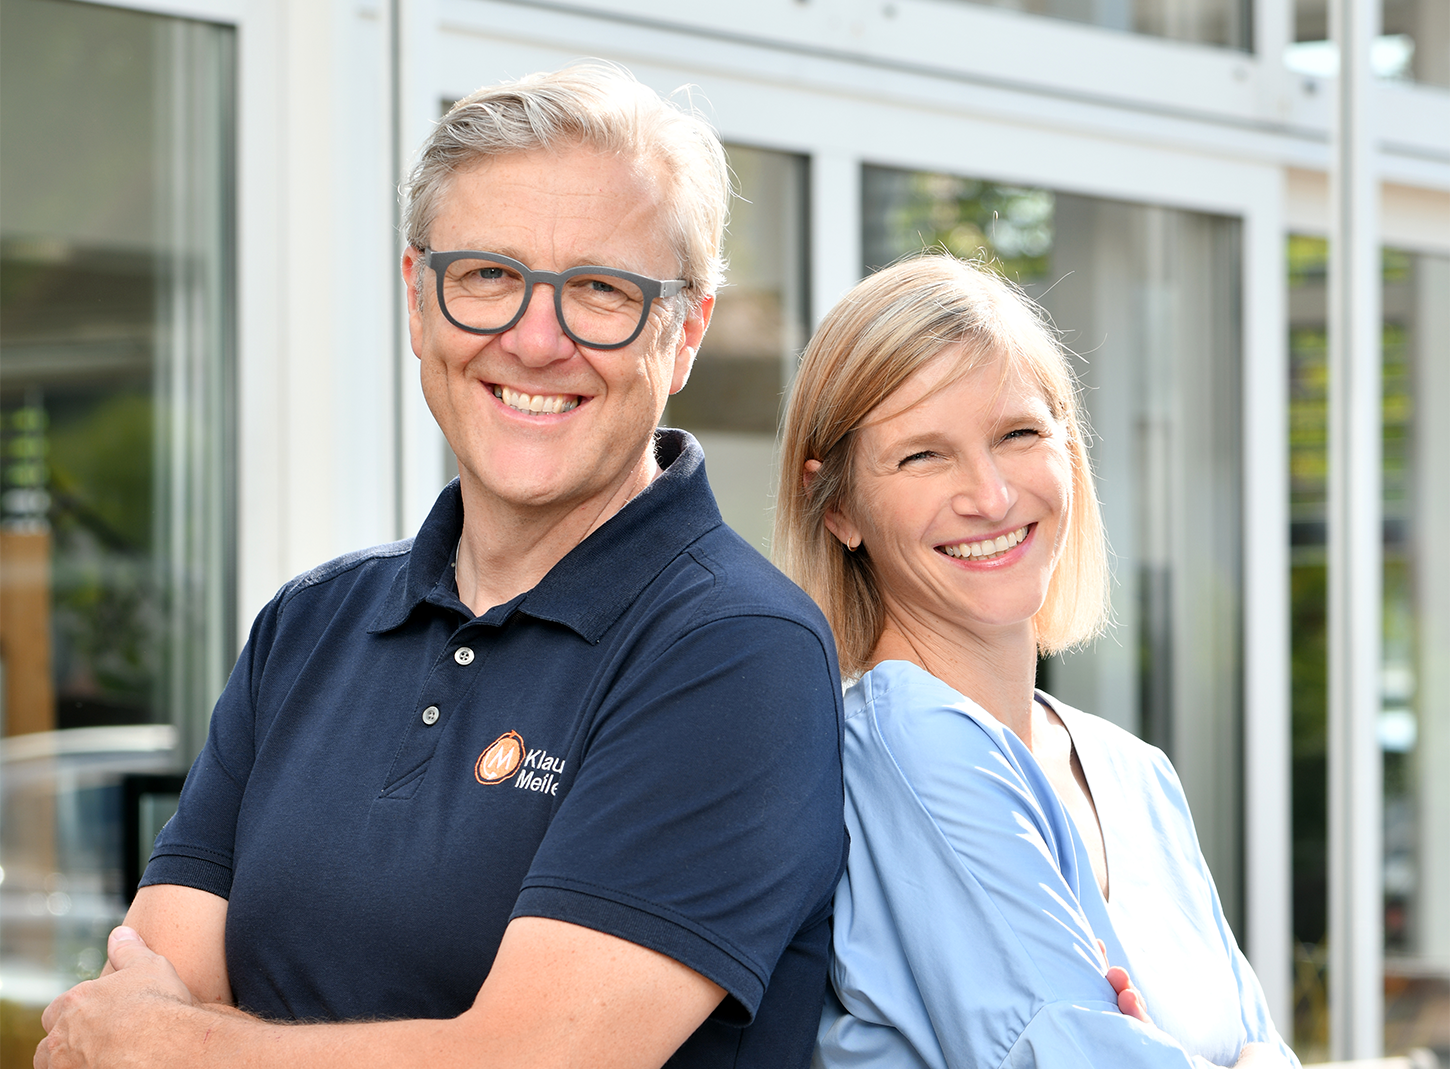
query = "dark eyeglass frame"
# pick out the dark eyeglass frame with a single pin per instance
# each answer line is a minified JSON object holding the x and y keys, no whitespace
{"x":651,"y":288}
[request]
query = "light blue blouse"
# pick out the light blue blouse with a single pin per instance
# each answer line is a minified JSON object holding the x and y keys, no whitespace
{"x":965,"y":926}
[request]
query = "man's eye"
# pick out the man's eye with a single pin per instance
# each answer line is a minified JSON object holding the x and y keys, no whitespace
{"x":598,"y":285}
{"x":489,"y":274}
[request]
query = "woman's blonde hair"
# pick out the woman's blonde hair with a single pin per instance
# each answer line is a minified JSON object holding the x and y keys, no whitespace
{"x":876,"y":338}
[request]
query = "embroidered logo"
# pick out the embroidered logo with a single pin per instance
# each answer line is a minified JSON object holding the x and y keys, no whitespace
{"x":501,"y":760}
{"x":507,"y":754}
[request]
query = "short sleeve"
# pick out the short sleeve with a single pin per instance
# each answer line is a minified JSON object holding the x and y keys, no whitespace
{"x":960,"y":934}
{"x":705,"y":819}
{"x":195,"y":848}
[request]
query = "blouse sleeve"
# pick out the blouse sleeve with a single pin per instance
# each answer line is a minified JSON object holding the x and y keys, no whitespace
{"x":1172,"y":823}
{"x":960,"y":938}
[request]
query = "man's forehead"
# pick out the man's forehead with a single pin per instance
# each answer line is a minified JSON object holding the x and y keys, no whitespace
{"x":580,"y":202}
{"x":581,"y":175}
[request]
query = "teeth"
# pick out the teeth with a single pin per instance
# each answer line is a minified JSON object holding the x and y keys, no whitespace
{"x":987,"y":548}
{"x":525,"y":402}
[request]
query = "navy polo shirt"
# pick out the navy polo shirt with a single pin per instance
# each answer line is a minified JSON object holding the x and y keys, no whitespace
{"x":647,"y":743}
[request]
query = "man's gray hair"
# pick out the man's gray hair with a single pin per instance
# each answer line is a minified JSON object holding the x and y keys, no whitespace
{"x":605,"y":108}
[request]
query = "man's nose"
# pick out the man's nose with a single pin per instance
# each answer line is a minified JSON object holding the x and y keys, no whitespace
{"x":538,"y":338}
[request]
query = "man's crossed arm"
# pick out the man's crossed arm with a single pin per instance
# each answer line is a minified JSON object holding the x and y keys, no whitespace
{"x":164,"y":1000}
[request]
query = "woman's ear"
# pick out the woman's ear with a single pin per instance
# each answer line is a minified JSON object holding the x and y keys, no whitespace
{"x":837,"y":522}
{"x":840,"y":525}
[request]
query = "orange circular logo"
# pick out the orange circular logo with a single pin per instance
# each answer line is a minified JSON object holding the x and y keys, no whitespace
{"x":501,"y":760}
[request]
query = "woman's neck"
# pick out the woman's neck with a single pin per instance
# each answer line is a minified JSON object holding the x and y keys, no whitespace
{"x":997,"y":670}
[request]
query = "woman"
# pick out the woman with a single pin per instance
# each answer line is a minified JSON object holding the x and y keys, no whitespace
{"x":936,"y":500}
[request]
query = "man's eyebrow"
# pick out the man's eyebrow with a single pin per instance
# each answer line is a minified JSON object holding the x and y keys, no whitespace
{"x":588,"y":260}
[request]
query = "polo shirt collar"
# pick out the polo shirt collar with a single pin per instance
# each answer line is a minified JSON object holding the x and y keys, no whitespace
{"x":599,"y":578}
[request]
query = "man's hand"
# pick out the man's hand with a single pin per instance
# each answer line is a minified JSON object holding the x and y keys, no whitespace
{"x":122,"y":1014}
{"x":602,"y":1003}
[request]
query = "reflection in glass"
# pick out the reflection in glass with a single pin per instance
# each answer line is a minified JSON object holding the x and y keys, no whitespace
{"x":1414,"y":723}
{"x":115,"y":438}
{"x":1208,"y":22}
{"x":907,"y":211}
{"x":1150,"y":300}
{"x":732,"y":401}
{"x":1414,"y":42}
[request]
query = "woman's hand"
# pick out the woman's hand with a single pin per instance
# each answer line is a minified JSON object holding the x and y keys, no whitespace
{"x":1130,"y":999}
{"x":1261,"y":1056}
{"x":1132,"y":1004}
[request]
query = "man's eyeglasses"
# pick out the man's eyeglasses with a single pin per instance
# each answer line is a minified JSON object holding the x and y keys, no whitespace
{"x":598,"y":307}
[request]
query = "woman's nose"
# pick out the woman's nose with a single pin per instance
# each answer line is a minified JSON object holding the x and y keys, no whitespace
{"x":983,"y":490}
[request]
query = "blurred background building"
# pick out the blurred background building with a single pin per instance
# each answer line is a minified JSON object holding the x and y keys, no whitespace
{"x":205,"y":386}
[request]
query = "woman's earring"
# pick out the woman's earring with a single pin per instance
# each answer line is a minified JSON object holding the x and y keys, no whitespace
{"x":851,"y":546}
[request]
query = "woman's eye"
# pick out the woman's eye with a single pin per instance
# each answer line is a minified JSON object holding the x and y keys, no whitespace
{"x":925,"y":454}
{"x":1022,"y":432}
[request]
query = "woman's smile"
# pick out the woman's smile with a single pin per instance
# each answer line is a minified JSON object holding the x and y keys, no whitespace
{"x":988,"y":549}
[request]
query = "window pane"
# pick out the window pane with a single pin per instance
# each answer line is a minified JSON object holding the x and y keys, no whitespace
{"x":1149,"y":298}
{"x":1414,"y":41}
{"x":1417,"y":798}
{"x":1309,"y":599}
{"x":1209,"y":22}
{"x":115,"y":426}
{"x":732,"y":402}
{"x":1414,"y":725}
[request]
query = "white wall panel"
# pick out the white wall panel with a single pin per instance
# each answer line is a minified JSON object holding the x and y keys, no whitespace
{"x":316,"y":184}
{"x":1411,"y":217}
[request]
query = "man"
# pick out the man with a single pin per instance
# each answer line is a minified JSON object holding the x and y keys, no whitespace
{"x":556,"y":783}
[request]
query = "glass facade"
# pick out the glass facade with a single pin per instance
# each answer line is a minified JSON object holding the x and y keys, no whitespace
{"x":1148,"y":298}
{"x":1414,"y":41}
{"x":1414,"y":719}
{"x":1207,"y":22}
{"x":116,"y":425}
{"x":732,"y":402}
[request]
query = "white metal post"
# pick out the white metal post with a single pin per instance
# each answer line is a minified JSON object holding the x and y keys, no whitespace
{"x":419,"y":101}
{"x":1267,"y":831}
{"x":835,"y":228}
{"x":1356,"y":929}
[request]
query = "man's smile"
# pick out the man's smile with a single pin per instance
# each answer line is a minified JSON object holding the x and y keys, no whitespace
{"x":536,"y":403}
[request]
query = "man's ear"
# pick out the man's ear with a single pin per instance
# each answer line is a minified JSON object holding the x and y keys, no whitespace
{"x":692,"y":333}
{"x":809,"y":472}
{"x":413,"y":269}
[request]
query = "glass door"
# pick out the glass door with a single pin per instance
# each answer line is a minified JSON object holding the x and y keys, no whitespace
{"x":732,"y":402}
{"x":116,"y":455}
{"x":1148,"y":299}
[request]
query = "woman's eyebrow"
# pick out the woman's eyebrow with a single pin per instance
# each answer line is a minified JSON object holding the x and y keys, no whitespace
{"x":917,"y":439}
{"x":1029,"y":412}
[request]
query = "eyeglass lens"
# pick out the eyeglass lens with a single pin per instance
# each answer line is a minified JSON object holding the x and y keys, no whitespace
{"x":486,"y":295}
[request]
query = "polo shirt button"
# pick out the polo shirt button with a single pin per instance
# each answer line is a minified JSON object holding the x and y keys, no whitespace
{"x":430,"y":715}
{"x":463,"y":655}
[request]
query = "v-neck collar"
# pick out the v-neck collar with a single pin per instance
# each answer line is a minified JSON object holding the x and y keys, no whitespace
{"x":1088,"y":757}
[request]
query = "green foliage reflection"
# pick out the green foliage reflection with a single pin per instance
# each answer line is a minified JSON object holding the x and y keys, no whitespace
{"x":1010,"y":227}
